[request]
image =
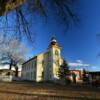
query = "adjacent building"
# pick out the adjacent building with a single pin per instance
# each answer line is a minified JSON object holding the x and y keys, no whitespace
{"x":45,"y":66}
{"x":78,"y":75}
{"x":94,"y":75}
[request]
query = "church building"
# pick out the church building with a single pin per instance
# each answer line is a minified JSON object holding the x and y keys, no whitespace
{"x":45,"y":66}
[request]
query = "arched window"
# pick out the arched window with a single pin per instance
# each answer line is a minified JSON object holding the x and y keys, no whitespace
{"x":56,"y":53}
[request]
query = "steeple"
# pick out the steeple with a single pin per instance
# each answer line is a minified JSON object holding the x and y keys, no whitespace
{"x":53,"y":40}
{"x":53,"y":43}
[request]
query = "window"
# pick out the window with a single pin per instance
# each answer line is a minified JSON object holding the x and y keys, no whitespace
{"x":56,"y":53}
{"x":42,"y":74}
{"x":32,"y":65}
{"x":34,"y":74}
{"x":31,"y":75}
{"x":35,"y":64}
{"x":42,"y":62}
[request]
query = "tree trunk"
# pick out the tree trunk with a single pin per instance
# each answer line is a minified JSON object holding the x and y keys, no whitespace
{"x":10,"y":66}
{"x":2,"y":6}
{"x":6,"y":5}
{"x":16,"y":71}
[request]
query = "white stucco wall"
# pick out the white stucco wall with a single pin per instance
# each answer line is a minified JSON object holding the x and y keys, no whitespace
{"x":29,"y":70}
{"x":45,"y":67}
{"x":40,"y":59}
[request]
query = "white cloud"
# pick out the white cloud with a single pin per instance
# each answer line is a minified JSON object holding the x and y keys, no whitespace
{"x":78,"y":63}
{"x":7,"y":67}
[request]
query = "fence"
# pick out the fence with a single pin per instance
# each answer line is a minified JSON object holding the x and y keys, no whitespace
{"x":6,"y":78}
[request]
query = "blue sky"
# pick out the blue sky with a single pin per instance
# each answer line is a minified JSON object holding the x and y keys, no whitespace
{"x":79,"y":42}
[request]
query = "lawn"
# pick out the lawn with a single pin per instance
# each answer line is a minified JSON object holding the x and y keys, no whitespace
{"x":47,"y":91}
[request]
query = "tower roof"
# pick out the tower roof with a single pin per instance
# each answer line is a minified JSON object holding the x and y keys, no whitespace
{"x":53,"y":39}
{"x":53,"y":43}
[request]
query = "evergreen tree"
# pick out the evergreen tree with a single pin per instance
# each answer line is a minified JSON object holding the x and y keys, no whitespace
{"x":85,"y":77}
{"x":64,"y":72}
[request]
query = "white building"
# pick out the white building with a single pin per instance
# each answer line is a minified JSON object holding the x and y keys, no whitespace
{"x":45,"y":66}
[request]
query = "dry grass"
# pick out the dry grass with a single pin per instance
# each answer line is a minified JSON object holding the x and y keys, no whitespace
{"x":47,"y":91}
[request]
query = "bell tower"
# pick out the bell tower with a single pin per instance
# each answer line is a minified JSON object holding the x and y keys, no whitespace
{"x":54,"y":50}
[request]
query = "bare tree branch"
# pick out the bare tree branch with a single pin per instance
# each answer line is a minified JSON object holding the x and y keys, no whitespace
{"x":12,"y":52}
{"x":64,"y":10}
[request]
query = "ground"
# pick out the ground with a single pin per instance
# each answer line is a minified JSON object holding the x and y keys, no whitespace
{"x":47,"y":91}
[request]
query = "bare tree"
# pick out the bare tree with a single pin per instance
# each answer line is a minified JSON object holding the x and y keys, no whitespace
{"x":12,"y":52}
{"x":24,"y":10}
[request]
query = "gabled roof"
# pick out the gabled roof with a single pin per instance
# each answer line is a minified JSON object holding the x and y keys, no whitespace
{"x":29,"y":60}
